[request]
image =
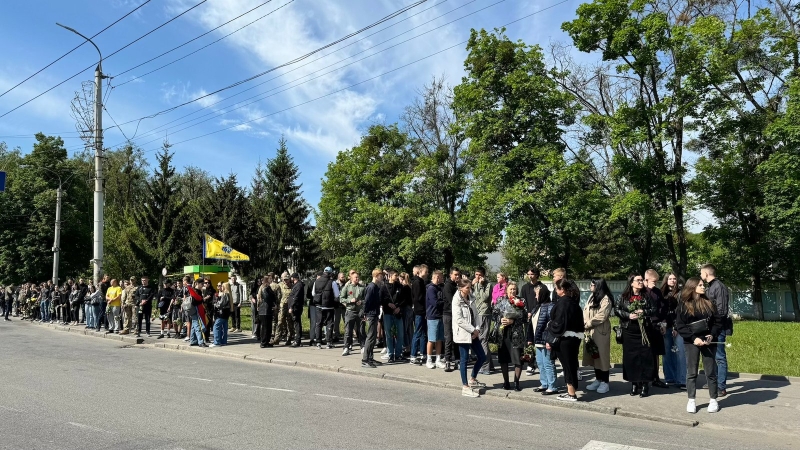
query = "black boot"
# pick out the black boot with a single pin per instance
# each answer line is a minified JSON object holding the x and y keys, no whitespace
{"x":645,"y":390}
{"x":635,"y":387}
{"x":516,"y":386}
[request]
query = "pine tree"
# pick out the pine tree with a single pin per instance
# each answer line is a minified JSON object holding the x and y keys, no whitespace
{"x":228,"y":214}
{"x":287,"y":213}
{"x":159,"y":217}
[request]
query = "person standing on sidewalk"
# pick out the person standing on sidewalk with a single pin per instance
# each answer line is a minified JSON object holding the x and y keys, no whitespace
{"x":285,"y":328}
{"x":448,"y":292}
{"x":296,"y":300}
{"x":466,"y":335}
{"x":420,"y":339}
{"x":165,"y":297}
{"x":658,"y":321}
{"x":637,"y":356}
{"x":313,"y":311}
{"x":325,"y":293}
{"x":675,"y":354}
{"x":276,"y":289}
{"x":597,"y":322}
{"x":698,"y":321}
{"x":534,"y":292}
{"x":352,"y":298}
{"x":372,"y":306}
{"x":719,"y":295}
{"x":113,"y":299}
{"x":9,"y":301}
{"x":434,"y":305}
{"x":392,"y":318}
{"x":266,"y":307}
{"x":129,"y":310}
{"x":482,"y":292}
{"x":255,"y":286}
{"x":222,"y":311}
{"x":102,"y":319}
{"x":237,"y":297}
{"x":338,"y":310}
{"x":145,"y":295}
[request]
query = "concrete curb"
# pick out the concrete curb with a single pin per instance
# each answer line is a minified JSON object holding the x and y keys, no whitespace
{"x":636,"y":415}
{"x":98,"y":334}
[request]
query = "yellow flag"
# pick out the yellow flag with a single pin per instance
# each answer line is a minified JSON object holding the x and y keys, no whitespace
{"x":216,"y":249}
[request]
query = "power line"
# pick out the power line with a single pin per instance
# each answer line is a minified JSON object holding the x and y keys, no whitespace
{"x":105,"y":58}
{"x":360,"y":82}
{"x":155,"y":130}
{"x":296,"y":60}
{"x":265,"y":96}
{"x":75,"y":48}
{"x":194,"y":39}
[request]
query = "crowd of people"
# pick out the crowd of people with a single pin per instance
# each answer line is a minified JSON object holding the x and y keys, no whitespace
{"x":432,"y":320}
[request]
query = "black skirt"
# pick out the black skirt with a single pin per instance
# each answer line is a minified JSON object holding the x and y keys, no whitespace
{"x":637,"y":358}
{"x":506,"y":353}
{"x":656,"y":339}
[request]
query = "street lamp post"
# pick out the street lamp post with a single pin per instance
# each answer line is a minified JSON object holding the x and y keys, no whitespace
{"x":99,"y":194}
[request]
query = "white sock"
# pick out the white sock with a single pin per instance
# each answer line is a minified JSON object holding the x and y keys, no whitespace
{"x":441,"y":358}
{"x":430,"y":358}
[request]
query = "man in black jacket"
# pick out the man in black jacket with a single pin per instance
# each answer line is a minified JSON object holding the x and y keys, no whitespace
{"x":419,"y":343}
{"x":326,"y":291}
{"x":296,"y":300}
{"x":657,"y":330}
{"x":144,"y":298}
{"x":372,"y":305}
{"x":534,"y":293}
{"x":720,"y":296}
{"x":83,"y":289}
{"x":266,"y":300}
{"x":448,"y":292}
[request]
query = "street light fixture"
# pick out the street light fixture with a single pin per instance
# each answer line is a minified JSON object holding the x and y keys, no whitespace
{"x":57,"y":238}
{"x":99,"y":194}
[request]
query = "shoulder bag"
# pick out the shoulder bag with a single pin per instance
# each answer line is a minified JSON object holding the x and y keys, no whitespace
{"x":618,"y":335}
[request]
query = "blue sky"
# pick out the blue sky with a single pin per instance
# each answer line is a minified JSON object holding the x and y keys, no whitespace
{"x":315,"y":131}
{"x":315,"y":128}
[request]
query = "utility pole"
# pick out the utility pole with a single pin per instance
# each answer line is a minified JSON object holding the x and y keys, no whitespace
{"x":57,"y":239}
{"x":99,"y":182}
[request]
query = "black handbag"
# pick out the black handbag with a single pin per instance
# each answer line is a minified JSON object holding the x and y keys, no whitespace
{"x":618,"y":335}
{"x":699,"y":327}
{"x":550,"y":337}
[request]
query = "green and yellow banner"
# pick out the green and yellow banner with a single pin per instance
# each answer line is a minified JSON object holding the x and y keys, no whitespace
{"x":216,"y":249}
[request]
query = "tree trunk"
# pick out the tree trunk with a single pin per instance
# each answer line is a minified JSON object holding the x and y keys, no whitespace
{"x":758,"y":297}
{"x":793,"y":288}
{"x":449,"y":259}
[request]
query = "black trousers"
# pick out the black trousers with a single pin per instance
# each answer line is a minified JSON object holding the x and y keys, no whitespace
{"x":145,"y":314}
{"x":449,"y":354}
{"x":236,"y":317}
{"x":568,"y":350}
{"x":101,"y":321}
{"x":325,"y":318}
{"x":693,"y":355}
{"x":76,"y":311}
{"x":265,"y":328}
{"x":8,"y":308}
{"x":297,"y":318}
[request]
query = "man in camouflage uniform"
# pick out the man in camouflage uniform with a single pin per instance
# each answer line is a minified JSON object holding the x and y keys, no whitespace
{"x":275,"y":312}
{"x":285,"y":327}
{"x":129,"y":309}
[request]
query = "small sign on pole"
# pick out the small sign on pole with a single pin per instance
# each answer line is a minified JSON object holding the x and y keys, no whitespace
{"x":2,"y":181}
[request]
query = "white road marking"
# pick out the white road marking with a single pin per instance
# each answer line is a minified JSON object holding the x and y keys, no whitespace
{"x":357,"y":400}
{"x":670,"y":444}
{"x":274,"y":389}
{"x":237,"y":384}
{"x":599,"y":445}
{"x":504,"y":420}
{"x":199,"y":379}
{"x":88,"y":427}
{"x":11,"y":409}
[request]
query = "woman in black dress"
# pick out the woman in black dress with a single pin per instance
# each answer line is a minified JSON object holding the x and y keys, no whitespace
{"x":637,"y":354}
{"x":510,"y":312}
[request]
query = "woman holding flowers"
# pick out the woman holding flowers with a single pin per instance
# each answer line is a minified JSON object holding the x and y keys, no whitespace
{"x":698,"y":322}
{"x":511,"y":312}
{"x":635,"y":309}
{"x":596,"y":321}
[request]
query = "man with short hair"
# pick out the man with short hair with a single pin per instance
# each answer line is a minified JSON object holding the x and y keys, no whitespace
{"x":534,"y":292}
{"x":101,"y":318}
{"x":276,"y":289}
{"x":83,"y":289}
{"x":392,"y":319}
{"x":266,"y":300}
{"x":352,"y":297}
{"x":237,"y":297}
{"x":338,"y":310}
{"x":372,"y":305}
{"x":296,"y":301}
{"x":255,"y":286}
{"x":449,"y":290}
{"x":482,"y":290}
{"x":313,"y":311}
{"x":718,"y":293}
{"x":9,"y":301}
{"x":129,"y":310}
{"x":285,"y":328}
{"x":144,"y":300}
{"x":326,"y":291}
{"x":434,"y":305}
{"x":419,"y":342}
{"x":113,"y":299}
{"x":558,"y":274}
{"x":659,"y":326}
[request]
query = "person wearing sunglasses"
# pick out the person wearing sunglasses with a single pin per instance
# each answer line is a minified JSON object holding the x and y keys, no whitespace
{"x":635,"y":310}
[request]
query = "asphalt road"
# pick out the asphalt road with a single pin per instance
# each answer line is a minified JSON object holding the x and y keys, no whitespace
{"x":65,"y":391}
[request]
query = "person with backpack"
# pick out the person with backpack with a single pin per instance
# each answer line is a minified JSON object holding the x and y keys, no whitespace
{"x":325,"y":294}
{"x":222,"y":312}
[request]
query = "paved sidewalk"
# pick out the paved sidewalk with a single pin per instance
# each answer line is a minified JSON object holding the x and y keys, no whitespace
{"x":757,"y":405}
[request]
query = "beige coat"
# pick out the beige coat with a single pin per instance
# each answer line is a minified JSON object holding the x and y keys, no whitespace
{"x":598,"y":326}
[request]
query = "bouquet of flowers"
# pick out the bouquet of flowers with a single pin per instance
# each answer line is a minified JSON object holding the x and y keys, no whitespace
{"x":528,"y":353}
{"x":636,"y":305}
{"x":591,"y":348}
{"x":517,"y":307}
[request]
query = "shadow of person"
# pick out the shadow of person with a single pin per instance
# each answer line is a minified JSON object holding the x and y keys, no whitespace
{"x":751,"y":392}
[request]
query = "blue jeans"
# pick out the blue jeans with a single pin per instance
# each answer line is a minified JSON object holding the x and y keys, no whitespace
{"x":477,"y":349}
{"x":674,"y":362}
{"x":97,"y":311}
{"x":220,"y":331}
{"x":88,"y":314}
{"x":547,"y":370}
{"x":45,"y":308}
{"x":722,"y":362}
{"x":197,"y":331}
{"x":420,"y":340}
{"x":394,"y":343}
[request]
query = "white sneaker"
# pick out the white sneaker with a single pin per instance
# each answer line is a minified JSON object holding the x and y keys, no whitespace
{"x":467,"y":391}
{"x":212,"y":345}
{"x":362,"y":350}
{"x":440,"y":364}
{"x":691,"y":406}
{"x":713,"y":406}
{"x":603,"y":388}
{"x":385,"y":350}
{"x":430,"y":364}
{"x":593,"y":385}
{"x":186,"y":339}
{"x":385,"y":357}
{"x":346,"y":352}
